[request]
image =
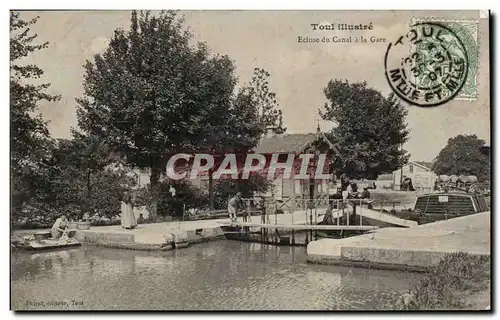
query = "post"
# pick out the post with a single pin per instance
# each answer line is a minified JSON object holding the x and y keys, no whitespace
{"x":311,"y":222}
{"x":262,"y":220}
{"x":338,"y":212}
{"x":343,"y":208}
{"x":247,"y":229}
{"x":360,"y":215}
{"x":275,"y":222}
{"x":315,"y":222}
{"x":294,"y":207}
{"x":347,"y":217}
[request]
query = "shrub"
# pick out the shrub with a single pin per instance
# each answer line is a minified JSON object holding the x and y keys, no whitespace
{"x":447,"y":285}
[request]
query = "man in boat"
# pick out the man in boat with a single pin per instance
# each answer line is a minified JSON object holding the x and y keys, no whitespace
{"x":234,"y":206}
{"x":59,"y":227}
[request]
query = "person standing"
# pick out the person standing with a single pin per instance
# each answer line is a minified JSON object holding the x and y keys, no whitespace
{"x":127,"y":216}
{"x":352,"y":191}
{"x":234,"y":205}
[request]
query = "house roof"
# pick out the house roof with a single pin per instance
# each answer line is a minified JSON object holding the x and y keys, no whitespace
{"x":286,"y":143}
{"x":290,"y":143}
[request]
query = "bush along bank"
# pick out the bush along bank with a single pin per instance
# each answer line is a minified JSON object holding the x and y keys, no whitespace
{"x":460,"y":281}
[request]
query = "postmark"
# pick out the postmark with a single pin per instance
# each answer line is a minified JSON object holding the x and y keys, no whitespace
{"x":427,"y":66}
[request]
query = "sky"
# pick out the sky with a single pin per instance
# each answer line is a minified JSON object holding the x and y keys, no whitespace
{"x":269,"y":40}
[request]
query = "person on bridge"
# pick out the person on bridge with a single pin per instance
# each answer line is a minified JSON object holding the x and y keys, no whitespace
{"x":365,"y":194}
{"x":234,"y":206}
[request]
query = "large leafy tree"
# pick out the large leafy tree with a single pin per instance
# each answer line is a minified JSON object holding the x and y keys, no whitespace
{"x":29,"y":137}
{"x":152,"y":94}
{"x":462,"y":156}
{"x":370,"y":129}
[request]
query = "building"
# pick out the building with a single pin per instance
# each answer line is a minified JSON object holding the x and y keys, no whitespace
{"x":290,"y":190}
{"x":420,"y":173}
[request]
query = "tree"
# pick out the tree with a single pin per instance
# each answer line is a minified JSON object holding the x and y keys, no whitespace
{"x":80,"y":179}
{"x":151,"y":94}
{"x":370,"y":129}
{"x":265,"y":101}
{"x":253,"y":109}
{"x":29,"y":137}
{"x":78,"y":165}
{"x":462,"y":156}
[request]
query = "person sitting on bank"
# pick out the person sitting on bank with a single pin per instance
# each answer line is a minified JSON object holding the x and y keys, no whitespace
{"x":59,"y":227}
{"x":234,"y":205}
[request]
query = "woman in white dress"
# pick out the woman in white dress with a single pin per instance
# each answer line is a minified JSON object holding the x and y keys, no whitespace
{"x":127,"y":217}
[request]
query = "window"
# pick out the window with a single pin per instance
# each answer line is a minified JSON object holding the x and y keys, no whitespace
{"x":298,"y":187}
{"x":411,"y":168}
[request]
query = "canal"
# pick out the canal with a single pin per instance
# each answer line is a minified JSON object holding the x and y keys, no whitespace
{"x":222,"y":275}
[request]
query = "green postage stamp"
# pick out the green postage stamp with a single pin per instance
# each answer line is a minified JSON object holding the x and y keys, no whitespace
{"x":467,"y":32}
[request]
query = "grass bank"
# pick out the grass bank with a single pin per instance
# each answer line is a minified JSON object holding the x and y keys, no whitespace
{"x":460,"y":281}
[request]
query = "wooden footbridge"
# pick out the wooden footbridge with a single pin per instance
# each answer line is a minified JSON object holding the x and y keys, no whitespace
{"x":338,"y":216}
{"x":300,"y":226}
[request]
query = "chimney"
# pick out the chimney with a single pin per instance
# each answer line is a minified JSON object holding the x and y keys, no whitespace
{"x":271,"y":132}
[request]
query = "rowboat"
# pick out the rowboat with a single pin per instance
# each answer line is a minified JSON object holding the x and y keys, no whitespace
{"x":43,"y":240}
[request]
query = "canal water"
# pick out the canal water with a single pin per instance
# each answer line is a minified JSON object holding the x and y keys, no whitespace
{"x":222,"y":275}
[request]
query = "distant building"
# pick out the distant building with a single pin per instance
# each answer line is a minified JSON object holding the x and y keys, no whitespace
{"x":420,"y":173}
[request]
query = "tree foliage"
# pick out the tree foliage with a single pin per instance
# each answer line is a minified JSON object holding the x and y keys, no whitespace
{"x":152,"y":94}
{"x":370,"y":129}
{"x":76,"y":180}
{"x":462,"y":156}
{"x":265,"y":101}
{"x":29,"y":137}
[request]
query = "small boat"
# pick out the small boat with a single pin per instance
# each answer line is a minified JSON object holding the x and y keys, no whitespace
{"x":41,"y":241}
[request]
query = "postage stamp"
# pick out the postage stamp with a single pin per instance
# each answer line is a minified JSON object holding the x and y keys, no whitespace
{"x":429,"y":65}
{"x":468,"y":32}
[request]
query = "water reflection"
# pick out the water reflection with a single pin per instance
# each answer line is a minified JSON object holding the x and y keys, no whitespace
{"x":223,"y":275}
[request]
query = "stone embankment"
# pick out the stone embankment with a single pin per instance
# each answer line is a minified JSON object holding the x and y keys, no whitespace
{"x":407,"y":248}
